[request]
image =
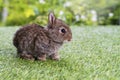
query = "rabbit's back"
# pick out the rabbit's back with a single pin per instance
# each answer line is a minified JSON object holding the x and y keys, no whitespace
{"x":30,"y":39}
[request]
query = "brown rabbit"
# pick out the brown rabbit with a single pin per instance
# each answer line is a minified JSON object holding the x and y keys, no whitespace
{"x":36,"y":42}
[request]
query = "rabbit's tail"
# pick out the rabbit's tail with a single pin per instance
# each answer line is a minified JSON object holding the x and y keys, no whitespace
{"x":15,"y":42}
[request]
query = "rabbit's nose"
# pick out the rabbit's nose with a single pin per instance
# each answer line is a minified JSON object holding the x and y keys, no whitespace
{"x":69,"y":39}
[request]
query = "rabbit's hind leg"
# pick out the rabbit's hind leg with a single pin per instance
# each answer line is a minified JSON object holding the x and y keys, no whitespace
{"x":26,"y":56}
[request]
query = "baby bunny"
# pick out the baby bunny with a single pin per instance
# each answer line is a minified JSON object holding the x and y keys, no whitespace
{"x":36,"y":42}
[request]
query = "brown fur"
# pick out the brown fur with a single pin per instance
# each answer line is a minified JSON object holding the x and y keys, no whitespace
{"x":34,"y":41}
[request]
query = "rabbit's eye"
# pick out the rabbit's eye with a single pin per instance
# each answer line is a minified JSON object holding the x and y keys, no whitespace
{"x":63,"y":31}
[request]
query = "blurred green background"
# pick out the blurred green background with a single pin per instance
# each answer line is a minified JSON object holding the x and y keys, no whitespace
{"x":73,"y":12}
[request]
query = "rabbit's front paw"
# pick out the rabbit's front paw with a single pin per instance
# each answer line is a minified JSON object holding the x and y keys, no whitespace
{"x":55,"y":56}
{"x":42,"y":57}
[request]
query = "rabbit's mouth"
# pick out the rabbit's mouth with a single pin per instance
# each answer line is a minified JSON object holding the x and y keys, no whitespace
{"x":66,"y":41}
{"x":58,"y":42}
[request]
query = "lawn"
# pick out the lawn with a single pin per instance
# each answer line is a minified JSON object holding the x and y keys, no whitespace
{"x":93,"y":54}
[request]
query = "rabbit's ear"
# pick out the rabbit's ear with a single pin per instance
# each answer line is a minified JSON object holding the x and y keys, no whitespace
{"x":51,"y":18}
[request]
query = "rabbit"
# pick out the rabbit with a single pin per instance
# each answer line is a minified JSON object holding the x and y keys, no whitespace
{"x":34,"y":42}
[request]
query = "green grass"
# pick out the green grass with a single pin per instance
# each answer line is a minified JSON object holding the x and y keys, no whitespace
{"x":93,"y":54}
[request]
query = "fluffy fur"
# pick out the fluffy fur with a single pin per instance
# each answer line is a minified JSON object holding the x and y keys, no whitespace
{"x":36,"y":42}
